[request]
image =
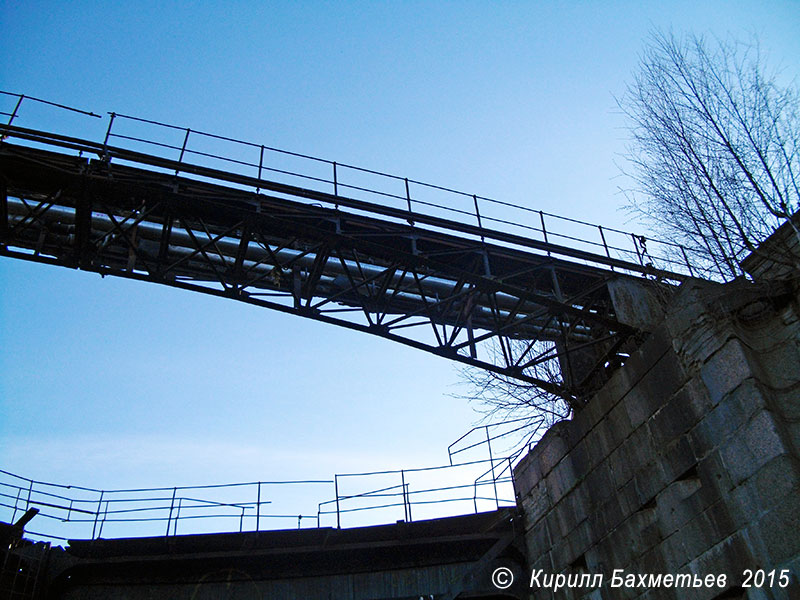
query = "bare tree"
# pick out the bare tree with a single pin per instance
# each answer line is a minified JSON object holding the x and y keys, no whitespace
{"x":504,"y":398}
{"x":714,"y":152}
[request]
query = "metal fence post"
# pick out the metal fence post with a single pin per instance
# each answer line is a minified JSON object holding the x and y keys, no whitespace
{"x":183,"y":148}
{"x":336,"y":488}
{"x":258,"y":506}
{"x":544,"y":230}
{"x":260,"y":165}
{"x":171,"y":506}
{"x":14,"y":112}
{"x":408,"y":199}
{"x":108,"y":135}
{"x":97,"y":513}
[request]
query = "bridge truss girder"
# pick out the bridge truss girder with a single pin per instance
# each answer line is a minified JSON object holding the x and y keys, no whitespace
{"x":482,"y":304}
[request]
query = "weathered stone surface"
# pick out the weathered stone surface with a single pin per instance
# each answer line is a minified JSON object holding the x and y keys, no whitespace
{"x":687,"y":460}
{"x":725,"y":370}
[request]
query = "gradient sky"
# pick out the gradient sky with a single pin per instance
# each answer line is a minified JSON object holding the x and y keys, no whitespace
{"x":110,"y":383}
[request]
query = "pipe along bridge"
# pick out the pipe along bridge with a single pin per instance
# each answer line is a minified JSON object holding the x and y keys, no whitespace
{"x":479,"y":295}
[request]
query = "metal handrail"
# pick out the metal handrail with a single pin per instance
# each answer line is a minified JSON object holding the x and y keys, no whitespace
{"x":591,"y":236}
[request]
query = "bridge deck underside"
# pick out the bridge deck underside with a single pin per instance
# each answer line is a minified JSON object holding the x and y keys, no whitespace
{"x":502,"y":308}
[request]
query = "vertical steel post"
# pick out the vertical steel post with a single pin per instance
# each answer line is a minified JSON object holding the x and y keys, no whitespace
{"x":14,"y":112}
{"x":103,"y":521}
{"x":258,"y":507}
{"x":16,"y":502}
{"x":336,"y":488}
{"x":403,"y":487}
{"x":408,"y":199}
{"x":636,"y":247}
{"x":478,"y":214}
{"x":108,"y":135}
{"x":491,"y":460}
{"x":335,"y":182}
{"x":97,"y":513}
{"x":260,"y":165}
{"x":183,"y":148}
{"x":603,"y":237}
{"x":171,"y":507}
{"x":686,"y":259}
{"x":177,"y":517}
{"x":544,"y":230}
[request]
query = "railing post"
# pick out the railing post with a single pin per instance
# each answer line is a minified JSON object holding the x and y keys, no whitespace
{"x":177,"y":517}
{"x":336,"y":488}
{"x":686,"y":259}
{"x":544,"y":230}
{"x":97,"y":513}
{"x":258,"y":506}
{"x":636,"y":247}
{"x":403,"y":487}
{"x":603,"y":237}
{"x":260,"y":166}
{"x":16,"y":502}
{"x":103,"y":521}
{"x":408,"y":199}
{"x":183,"y":148}
{"x":16,"y":108}
{"x":478,"y":214}
{"x":108,"y":135}
{"x":171,"y":507}
{"x":241,"y":521}
{"x":335,"y":182}
{"x":491,"y":461}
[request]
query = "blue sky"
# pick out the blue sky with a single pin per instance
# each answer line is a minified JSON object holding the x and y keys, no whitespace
{"x":116,"y":383}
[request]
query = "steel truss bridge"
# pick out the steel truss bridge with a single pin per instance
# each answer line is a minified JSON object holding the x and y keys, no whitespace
{"x":447,"y":279}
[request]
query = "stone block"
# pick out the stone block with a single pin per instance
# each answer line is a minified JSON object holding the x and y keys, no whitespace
{"x":538,"y":540}
{"x":553,"y":446}
{"x":776,"y":480}
{"x":649,"y":481}
{"x":561,"y":480}
{"x":598,"y":445}
{"x":527,"y":474}
{"x":581,"y":459}
{"x":742,"y":505}
{"x":714,"y":475}
{"x":672,"y":510}
{"x":639,"y":448}
{"x":764,"y":439}
{"x":725,"y":370}
{"x":738,"y":460}
{"x":678,"y":458}
{"x":536,"y":503}
{"x":778,"y":530}
{"x":730,"y":557}
{"x":620,"y":466}
{"x":580,"y":540}
{"x":599,"y":484}
{"x":643,"y":359}
{"x":670,"y":421}
{"x":618,"y":425}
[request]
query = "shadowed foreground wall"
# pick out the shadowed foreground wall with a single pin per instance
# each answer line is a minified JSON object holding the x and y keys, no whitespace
{"x":686,"y":461}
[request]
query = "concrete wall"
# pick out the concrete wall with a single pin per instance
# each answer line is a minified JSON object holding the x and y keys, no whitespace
{"x":686,"y":461}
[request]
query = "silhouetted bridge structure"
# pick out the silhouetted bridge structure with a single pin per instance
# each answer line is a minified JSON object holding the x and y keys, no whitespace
{"x":683,"y":461}
{"x":429,"y":267}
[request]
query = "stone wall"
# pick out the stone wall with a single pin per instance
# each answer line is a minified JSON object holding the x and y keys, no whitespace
{"x":686,"y":461}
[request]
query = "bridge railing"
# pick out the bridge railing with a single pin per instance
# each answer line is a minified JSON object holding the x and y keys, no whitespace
{"x":191,"y":147}
{"x":354,"y":499}
{"x":475,"y":484}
